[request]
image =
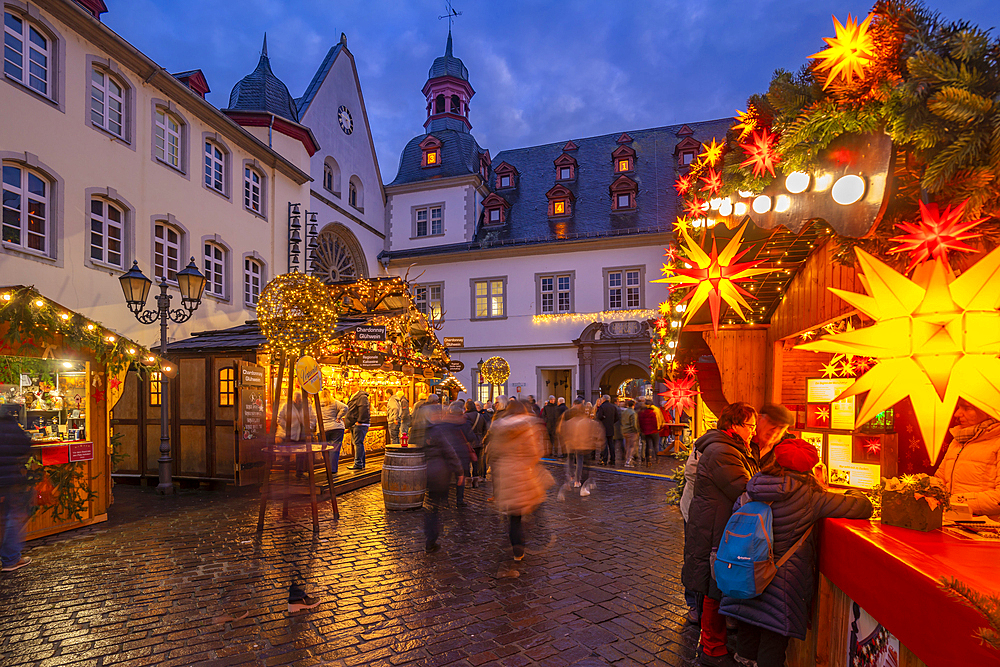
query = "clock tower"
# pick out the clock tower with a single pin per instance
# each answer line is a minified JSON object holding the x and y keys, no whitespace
{"x":448,"y":93}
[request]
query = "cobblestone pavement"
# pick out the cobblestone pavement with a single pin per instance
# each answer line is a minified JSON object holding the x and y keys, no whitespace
{"x":187,"y":580}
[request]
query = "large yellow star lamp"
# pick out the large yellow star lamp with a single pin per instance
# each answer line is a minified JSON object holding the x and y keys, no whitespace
{"x":715,"y":277}
{"x":847,"y":54}
{"x":936,"y":338}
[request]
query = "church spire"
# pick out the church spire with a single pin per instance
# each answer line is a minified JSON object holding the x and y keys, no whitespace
{"x":263,"y":51}
{"x":447,"y":49}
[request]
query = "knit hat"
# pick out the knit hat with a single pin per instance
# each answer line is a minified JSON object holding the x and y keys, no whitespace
{"x":796,"y":454}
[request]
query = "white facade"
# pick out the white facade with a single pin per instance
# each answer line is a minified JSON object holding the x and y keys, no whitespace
{"x":149,"y":167}
{"x":459,"y":200}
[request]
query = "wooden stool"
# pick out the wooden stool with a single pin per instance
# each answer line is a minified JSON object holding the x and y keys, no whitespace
{"x":298,"y":450}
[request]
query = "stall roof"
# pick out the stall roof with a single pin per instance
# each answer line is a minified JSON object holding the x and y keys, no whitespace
{"x":242,"y":337}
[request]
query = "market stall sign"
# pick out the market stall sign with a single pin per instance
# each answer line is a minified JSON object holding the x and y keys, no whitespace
{"x":456,"y":366}
{"x":454,"y":341}
{"x":370,"y":333}
{"x":250,"y":375}
{"x":309,"y":374}
{"x":370,"y":360}
{"x":60,"y":454}
{"x":81,"y":451}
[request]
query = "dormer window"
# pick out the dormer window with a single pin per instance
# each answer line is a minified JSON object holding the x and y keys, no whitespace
{"x":431,"y":151}
{"x":560,"y":201}
{"x":505,"y":176}
{"x":495,"y":209}
{"x":687,"y":148}
{"x":565,"y":167}
{"x":484,"y":165}
{"x":687,"y":157}
{"x":624,"y":158}
{"x":623,"y":193}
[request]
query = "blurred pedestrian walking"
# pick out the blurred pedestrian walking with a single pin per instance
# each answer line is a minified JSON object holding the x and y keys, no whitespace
{"x":15,"y":495}
{"x":607,"y":415}
{"x":477,"y":423}
{"x":649,"y":429}
{"x":440,"y":439}
{"x":516,"y":444}
{"x":581,"y":436}
{"x":630,"y":433}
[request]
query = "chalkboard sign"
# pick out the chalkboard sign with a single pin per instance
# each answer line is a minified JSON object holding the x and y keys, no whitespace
{"x":370,"y":333}
{"x":251,"y":422}
{"x":370,"y":360}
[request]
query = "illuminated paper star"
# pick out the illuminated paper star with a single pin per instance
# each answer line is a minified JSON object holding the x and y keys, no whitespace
{"x":694,"y":208}
{"x":846,"y":369}
{"x":712,"y":180}
{"x":937,"y":233}
{"x":712,"y":152}
{"x":822,"y":414}
{"x":848,"y":53}
{"x":715,"y":277}
{"x":665,"y":308}
{"x":683,"y":184}
{"x":761,"y":152}
{"x":680,"y":394}
{"x":830,"y":370}
{"x":746,"y":122}
{"x":691,"y":370}
{"x":807,"y":335}
{"x":936,"y":338}
{"x":873,"y":446}
{"x":682,"y":225}
{"x":670,"y":252}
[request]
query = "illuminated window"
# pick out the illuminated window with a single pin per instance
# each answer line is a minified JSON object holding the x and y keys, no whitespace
{"x":429,"y":300}
{"x":489,"y":298}
{"x":431,"y":151}
{"x":432,"y":157}
{"x":559,"y":207}
{"x":227,"y":387}
{"x":155,"y":389}
{"x":625,"y":165}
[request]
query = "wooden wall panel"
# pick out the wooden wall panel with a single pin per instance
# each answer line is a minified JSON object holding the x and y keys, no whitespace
{"x":153,"y":448}
{"x":741,"y":357}
{"x":190,"y":453}
{"x":128,"y":405}
{"x":808,"y":301}
{"x":796,"y":367}
{"x":225,"y":452}
{"x":191,"y":375}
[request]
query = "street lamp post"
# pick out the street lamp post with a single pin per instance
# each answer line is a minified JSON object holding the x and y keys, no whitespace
{"x":479,"y":381}
{"x":135,"y":285}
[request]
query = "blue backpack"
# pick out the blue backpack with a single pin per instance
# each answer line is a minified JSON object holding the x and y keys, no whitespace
{"x":744,"y":564}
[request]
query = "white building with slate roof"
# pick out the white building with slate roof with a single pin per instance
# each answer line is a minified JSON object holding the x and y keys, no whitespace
{"x":540,"y":255}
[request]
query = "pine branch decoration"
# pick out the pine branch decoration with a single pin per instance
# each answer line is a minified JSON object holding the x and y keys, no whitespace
{"x":987,"y":605}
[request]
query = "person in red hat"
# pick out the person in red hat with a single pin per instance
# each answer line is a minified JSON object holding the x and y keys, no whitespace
{"x":794,"y":485}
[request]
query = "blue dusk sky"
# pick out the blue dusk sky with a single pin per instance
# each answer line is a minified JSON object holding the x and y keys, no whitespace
{"x":543,"y":71}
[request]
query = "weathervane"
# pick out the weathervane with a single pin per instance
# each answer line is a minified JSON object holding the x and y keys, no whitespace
{"x":452,"y":13}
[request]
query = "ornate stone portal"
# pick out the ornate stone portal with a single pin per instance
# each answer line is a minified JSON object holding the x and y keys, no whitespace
{"x":610,"y":353}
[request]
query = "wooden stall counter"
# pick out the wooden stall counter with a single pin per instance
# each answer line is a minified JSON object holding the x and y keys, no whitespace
{"x":893,"y":574}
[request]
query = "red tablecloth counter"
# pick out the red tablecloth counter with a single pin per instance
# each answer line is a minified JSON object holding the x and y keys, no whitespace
{"x":893,"y":574}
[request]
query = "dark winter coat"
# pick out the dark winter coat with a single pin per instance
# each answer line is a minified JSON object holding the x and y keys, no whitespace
{"x":551,"y":414}
{"x":358,"y":410}
{"x":477,"y":424}
{"x":440,"y":444}
{"x":15,"y":447}
{"x":725,"y":466}
{"x":784,"y":606}
{"x":608,"y":415}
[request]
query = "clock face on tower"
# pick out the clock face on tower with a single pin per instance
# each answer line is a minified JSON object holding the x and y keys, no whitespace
{"x":346,"y":122}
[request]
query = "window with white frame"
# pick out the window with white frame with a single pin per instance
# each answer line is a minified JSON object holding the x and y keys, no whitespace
{"x":107,"y":232}
{"x":26,"y":208}
{"x":253,"y":275}
{"x":490,"y":298}
{"x":429,"y":300}
{"x":166,"y":251}
{"x":624,"y":287}
{"x":352,"y":194}
{"x":251,"y":190}
{"x":555,"y":293}
{"x":483,"y":392}
{"x":107,"y":103}
{"x":168,"y":139}
{"x":429,"y":221}
{"x":27,"y":54}
{"x":215,"y":167}
{"x":215,"y":269}
{"x":328,"y":177}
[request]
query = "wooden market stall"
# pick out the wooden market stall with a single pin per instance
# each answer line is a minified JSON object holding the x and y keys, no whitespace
{"x":66,"y":374}
{"x":227,"y":381}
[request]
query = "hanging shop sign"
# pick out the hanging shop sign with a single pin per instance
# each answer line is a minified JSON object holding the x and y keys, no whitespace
{"x":250,"y":375}
{"x":370,"y":333}
{"x":370,"y":360}
{"x":456,"y":366}
{"x":310,"y":376}
{"x":454,"y":341}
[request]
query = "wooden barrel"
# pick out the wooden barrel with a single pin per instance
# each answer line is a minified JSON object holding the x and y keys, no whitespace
{"x":404,"y":478}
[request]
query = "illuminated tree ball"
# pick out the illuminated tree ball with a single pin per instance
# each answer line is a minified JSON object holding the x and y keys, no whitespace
{"x":296,"y":313}
{"x":496,"y":370}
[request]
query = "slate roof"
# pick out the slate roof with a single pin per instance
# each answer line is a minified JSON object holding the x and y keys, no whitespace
{"x":460,"y":154}
{"x":261,"y":90}
{"x":655,"y":170}
{"x":302,"y":103}
{"x":448,"y":65}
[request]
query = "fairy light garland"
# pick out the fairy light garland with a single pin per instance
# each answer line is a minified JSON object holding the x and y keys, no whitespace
{"x":602,"y":316}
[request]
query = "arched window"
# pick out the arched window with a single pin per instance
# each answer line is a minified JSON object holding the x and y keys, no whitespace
{"x":107,"y":102}
{"x":27,"y":212}
{"x":338,"y":256}
{"x":215,"y":269}
{"x":168,"y":138}
{"x":356,"y":193}
{"x":253,"y":276}
{"x":331,"y":175}
{"x":252,"y":192}
{"x":439,"y":104}
{"x":166,"y":251}
{"x":215,"y":167}
{"x":456,"y":105}
{"x":28,"y":53}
